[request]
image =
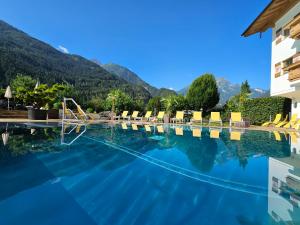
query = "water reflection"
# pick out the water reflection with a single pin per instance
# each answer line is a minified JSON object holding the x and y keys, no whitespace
{"x":31,"y":151}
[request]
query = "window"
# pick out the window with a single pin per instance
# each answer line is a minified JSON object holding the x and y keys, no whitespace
{"x":277,"y":69}
{"x":278,"y":36}
{"x":286,"y":32}
{"x":288,"y":62}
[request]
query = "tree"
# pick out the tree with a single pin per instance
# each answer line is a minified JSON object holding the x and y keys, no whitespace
{"x":203,"y":93}
{"x":236,"y":103}
{"x":245,"y":88}
{"x":21,"y":85}
{"x":155,"y":104}
{"x":118,"y":101}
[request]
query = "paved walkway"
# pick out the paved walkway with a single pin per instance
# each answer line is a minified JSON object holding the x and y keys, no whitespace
{"x":16,"y":120}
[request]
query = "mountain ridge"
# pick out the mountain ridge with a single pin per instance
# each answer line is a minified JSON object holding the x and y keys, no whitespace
{"x":22,"y":54}
{"x":133,"y":78}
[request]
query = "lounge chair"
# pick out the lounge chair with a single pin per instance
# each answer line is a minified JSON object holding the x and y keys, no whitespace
{"x":197,"y":117}
{"x":292,"y":122}
{"x":160,"y":117}
{"x":236,"y":117}
{"x":275,"y":121}
{"x":215,"y":117}
{"x":134,"y":115}
{"x":296,"y":125}
{"x":294,"y":137}
{"x":179,"y":131}
{"x":280,"y":124}
{"x":277,"y":135}
{"x":146,"y":117}
{"x":179,"y":117}
{"x":122,"y":116}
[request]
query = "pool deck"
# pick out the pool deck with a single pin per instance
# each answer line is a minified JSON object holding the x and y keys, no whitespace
{"x":252,"y":127}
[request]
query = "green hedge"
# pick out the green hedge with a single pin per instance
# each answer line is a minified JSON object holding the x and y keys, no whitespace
{"x":259,"y":110}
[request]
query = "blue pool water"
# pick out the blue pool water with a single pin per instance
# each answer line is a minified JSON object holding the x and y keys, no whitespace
{"x":132,"y":174}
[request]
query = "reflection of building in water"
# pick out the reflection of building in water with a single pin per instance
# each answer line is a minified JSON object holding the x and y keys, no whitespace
{"x":284,"y":189}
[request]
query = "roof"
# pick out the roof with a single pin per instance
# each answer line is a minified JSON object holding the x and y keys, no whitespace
{"x":267,"y":18}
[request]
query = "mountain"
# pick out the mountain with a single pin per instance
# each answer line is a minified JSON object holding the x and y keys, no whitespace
{"x":228,"y":89}
{"x":133,"y":78}
{"x":21,"y":53}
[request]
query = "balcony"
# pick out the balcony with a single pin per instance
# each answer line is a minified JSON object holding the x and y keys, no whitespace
{"x":294,"y":71}
{"x":295,"y":28}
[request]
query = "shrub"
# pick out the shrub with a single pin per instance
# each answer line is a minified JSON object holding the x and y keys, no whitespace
{"x":118,"y":101}
{"x":203,"y":93}
{"x":174,"y":103}
{"x":259,"y":110}
{"x":155,"y":104}
{"x":97,"y":104}
{"x":89,"y":110}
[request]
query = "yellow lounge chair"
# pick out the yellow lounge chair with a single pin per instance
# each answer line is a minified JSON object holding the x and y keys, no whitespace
{"x":122,"y":116}
{"x":282,"y":123}
{"x":146,"y":117}
{"x":294,"y":137}
{"x":215,"y":117}
{"x":179,"y":117}
{"x":197,"y":117}
{"x":236,"y":117}
{"x":277,"y":135}
{"x":275,"y":121}
{"x":160,"y":116}
{"x":292,"y":122}
{"x":196,"y":132}
{"x":179,"y":131}
{"x":296,"y":125}
{"x":134,"y":115}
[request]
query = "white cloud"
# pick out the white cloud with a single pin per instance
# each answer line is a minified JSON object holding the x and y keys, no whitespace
{"x":63,"y":49}
{"x":171,"y":88}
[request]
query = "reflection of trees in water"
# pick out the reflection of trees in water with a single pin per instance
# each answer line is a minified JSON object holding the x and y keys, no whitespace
{"x":24,"y":140}
{"x":255,"y":143}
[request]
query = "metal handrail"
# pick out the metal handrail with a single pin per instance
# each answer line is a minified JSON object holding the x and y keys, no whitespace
{"x":73,"y":114}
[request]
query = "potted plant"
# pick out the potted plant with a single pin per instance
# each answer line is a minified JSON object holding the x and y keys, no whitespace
{"x":53,"y":113}
{"x":43,"y":99}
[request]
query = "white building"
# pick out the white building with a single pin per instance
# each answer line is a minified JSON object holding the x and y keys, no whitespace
{"x":283,"y":16}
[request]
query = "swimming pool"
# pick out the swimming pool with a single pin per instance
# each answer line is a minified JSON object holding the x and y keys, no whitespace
{"x":137,"y":174}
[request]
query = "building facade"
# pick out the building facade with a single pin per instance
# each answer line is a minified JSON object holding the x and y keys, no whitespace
{"x":283,"y":16}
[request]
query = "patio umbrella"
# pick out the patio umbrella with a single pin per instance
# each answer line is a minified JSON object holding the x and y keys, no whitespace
{"x":8,"y":95}
{"x":37,"y":84}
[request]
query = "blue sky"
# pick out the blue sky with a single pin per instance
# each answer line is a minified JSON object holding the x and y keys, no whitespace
{"x":167,"y":42}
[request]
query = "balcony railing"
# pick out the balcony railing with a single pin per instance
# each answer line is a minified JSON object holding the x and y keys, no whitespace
{"x":294,"y":71}
{"x":295,"y":28}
